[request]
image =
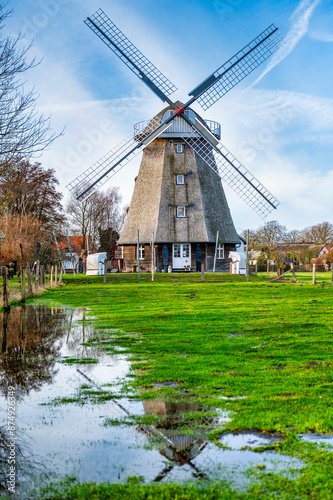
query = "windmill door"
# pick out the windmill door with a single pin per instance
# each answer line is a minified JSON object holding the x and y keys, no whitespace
{"x":181,"y":256}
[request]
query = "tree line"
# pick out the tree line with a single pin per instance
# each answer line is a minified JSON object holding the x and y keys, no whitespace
{"x":31,"y":207}
{"x":32,"y":212}
{"x":276,"y":244}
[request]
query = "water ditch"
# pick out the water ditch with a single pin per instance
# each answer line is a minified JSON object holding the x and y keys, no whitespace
{"x":72,"y":418}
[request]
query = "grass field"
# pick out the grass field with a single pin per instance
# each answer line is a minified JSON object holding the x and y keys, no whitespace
{"x":270,"y":343}
{"x":305,"y":277}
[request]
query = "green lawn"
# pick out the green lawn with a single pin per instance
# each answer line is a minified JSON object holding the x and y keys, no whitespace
{"x":305,"y":277}
{"x":271,"y":325}
{"x":269,"y":342}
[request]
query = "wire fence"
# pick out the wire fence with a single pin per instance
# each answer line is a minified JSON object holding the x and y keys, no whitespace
{"x":29,"y":281}
{"x":302,"y":268}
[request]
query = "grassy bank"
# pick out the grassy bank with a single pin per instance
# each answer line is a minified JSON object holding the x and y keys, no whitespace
{"x":269,"y":343}
{"x":14,"y":290}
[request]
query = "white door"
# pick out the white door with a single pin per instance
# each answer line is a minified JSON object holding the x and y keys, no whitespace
{"x":181,"y":256}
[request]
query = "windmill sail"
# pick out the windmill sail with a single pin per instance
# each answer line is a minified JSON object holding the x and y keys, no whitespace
{"x":108,"y":32}
{"x":238,"y":67}
{"x":101,"y":171}
{"x":233,"y":172}
{"x":202,"y":141}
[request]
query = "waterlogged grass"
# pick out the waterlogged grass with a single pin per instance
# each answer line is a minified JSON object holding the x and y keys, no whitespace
{"x":86,"y":396}
{"x":270,"y":343}
{"x":78,"y":361}
{"x":314,"y":483}
{"x":137,"y":491}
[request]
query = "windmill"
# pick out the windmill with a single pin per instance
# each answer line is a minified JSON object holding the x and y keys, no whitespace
{"x":178,"y":192}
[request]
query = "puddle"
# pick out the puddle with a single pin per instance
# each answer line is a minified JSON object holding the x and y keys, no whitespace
{"x":173,"y":445}
{"x":247,"y":440}
{"x":232,"y":465}
{"x":232,"y":398}
{"x":55,"y":440}
{"x":318,"y":438}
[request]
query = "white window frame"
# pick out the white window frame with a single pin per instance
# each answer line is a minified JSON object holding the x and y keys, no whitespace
{"x":181,"y":212}
{"x":119,"y":252}
{"x":186,"y":248}
{"x":176,"y":250}
{"x":179,"y":148}
{"x":180,"y":179}
{"x":142,"y":252}
{"x":220,"y":251}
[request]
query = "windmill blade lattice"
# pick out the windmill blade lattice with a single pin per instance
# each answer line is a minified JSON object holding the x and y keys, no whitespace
{"x":108,"y":32}
{"x":100,"y":172}
{"x":235,"y":175}
{"x":207,"y":93}
{"x":238,"y":67}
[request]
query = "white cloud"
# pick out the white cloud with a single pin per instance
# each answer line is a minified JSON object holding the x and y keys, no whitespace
{"x":284,"y":138}
{"x":305,"y":196}
{"x":284,"y":125}
{"x":300,"y":19}
{"x":322,"y":36}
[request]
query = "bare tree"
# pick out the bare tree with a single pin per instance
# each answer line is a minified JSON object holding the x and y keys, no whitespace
{"x":254,"y":243}
{"x":99,"y":213}
{"x":319,"y":234}
{"x":23,"y":131}
{"x":267,"y":237}
{"x":112,"y":216}
{"x":293,"y":236}
{"x":82,"y":215}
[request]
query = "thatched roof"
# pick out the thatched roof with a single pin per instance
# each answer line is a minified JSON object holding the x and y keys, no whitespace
{"x":156,"y":196}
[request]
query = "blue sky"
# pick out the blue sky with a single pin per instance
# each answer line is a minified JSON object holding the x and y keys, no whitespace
{"x":278,"y":122}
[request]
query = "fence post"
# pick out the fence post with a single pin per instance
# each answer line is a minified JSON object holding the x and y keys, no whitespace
{"x":105,"y":270}
{"x":43,"y":276}
{"x":202,"y":272}
{"x":215,"y":254}
{"x":37,"y":276}
{"x":22,"y":284}
{"x":247,"y":270}
{"x":138,"y":256}
{"x":293,"y":271}
{"x":5,"y":288}
{"x":153,"y":257}
{"x":256,"y":269}
{"x":29,"y":280}
{"x":313,"y":274}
